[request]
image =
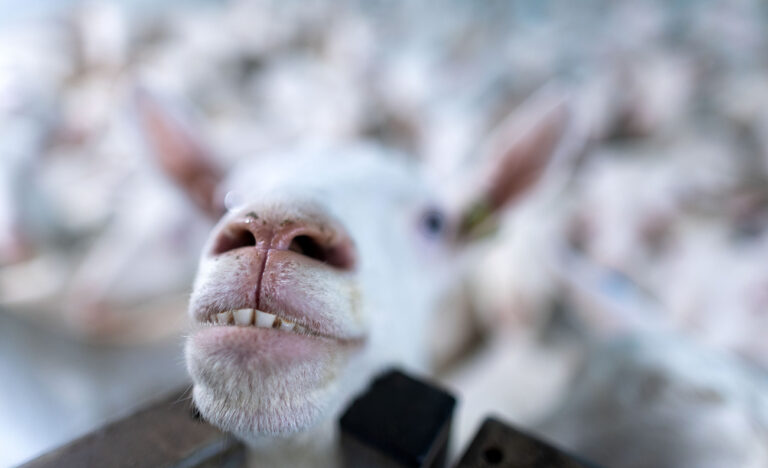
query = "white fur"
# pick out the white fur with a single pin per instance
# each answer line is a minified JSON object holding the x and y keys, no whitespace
{"x":378,"y":199}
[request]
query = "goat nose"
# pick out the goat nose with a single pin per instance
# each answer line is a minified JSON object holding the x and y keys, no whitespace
{"x":313,"y":236}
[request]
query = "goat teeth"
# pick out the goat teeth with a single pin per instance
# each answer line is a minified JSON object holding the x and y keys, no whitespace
{"x":264,"y":320}
{"x":224,"y":318}
{"x":243,"y":316}
{"x":258,"y":318}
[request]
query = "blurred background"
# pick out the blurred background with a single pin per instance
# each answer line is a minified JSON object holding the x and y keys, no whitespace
{"x":655,"y":221}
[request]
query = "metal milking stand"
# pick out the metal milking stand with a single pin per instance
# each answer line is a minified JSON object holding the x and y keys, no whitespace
{"x":397,"y":422}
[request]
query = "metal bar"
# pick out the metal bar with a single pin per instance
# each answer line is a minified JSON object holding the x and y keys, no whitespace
{"x":499,"y":445}
{"x":166,"y":434}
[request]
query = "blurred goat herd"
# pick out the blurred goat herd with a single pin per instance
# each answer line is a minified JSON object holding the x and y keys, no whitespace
{"x":649,"y":229}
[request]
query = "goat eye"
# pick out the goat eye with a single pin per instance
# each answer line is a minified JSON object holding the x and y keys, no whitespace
{"x":433,"y":222}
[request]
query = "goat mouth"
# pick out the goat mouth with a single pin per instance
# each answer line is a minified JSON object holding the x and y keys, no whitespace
{"x":261,"y":321}
{"x":255,"y":318}
{"x":289,"y":294}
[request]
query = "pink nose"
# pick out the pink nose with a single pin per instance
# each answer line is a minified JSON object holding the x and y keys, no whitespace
{"x":312,"y":236}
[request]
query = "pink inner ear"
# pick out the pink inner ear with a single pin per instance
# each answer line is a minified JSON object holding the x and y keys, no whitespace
{"x":517,"y":154}
{"x":520,"y":155}
{"x":183,"y":158}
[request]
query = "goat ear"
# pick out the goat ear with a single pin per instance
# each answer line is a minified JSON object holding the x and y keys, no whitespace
{"x":514,"y":157}
{"x":179,"y":152}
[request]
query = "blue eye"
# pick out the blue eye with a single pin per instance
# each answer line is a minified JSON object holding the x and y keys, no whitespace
{"x":433,"y":222}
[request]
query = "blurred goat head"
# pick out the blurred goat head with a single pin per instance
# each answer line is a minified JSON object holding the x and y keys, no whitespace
{"x":327,"y":260}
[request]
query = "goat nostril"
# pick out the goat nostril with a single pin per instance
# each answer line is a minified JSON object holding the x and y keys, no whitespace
{"x":234,"y":239}
{"x":331,"y":248}
{"x":338,"y":256}
{"x":307,"y":246}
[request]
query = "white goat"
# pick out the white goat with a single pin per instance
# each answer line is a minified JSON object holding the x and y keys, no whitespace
{"x":326,"y":268}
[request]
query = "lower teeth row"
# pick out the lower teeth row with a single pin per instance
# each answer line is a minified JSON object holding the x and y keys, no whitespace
{"x":253,"y":317}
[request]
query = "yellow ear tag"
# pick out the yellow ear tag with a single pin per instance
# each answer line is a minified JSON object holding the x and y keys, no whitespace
{"x":478,"y":221}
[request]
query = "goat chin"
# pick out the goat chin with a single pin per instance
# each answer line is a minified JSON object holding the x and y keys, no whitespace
{"x":317,"y":444}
